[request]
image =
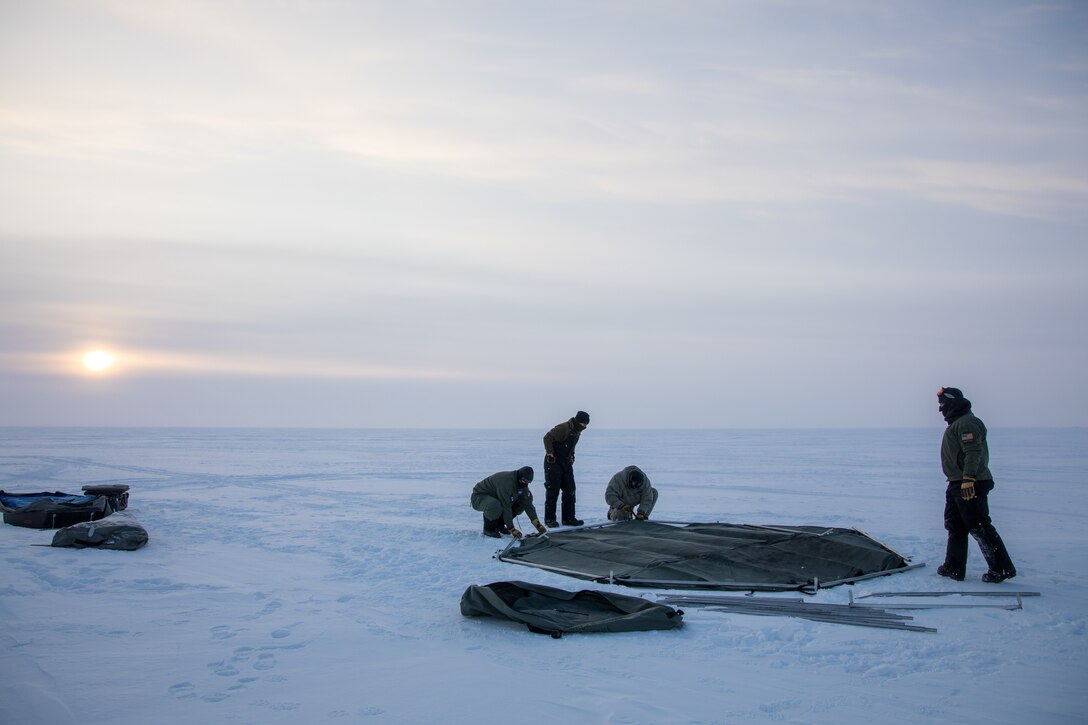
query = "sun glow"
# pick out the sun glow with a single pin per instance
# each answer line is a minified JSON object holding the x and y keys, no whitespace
{"x":98,"y":361}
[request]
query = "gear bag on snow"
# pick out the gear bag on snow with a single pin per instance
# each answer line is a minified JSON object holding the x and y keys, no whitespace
{"x":116,"y":531}
{"x":547,"y":610}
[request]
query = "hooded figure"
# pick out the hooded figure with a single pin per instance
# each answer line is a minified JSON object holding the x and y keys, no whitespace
{"x":502,"y":496}
{"x":965,"y":459}
{"x":628,"y":489}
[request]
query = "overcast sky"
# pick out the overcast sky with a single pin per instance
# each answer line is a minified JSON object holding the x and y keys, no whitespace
{"x":490,"y":214}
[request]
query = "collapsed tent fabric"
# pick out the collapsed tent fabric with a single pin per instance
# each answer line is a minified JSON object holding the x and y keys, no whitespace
{"x":709,"y":556}
{"x":116,"y":531}
{"x":548,"y":610}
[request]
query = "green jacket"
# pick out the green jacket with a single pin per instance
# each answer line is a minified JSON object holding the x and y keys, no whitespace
{"x":618,"y":493}
{"x":561,"y":440}
{"x":964,"y":452}
{"x":503,"y":486}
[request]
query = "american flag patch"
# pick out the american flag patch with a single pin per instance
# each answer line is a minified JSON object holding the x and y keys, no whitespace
{"x":967,"y":438}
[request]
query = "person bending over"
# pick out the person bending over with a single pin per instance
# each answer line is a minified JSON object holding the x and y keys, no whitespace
{"x":630,"y":495}
{"x":502,"y":496}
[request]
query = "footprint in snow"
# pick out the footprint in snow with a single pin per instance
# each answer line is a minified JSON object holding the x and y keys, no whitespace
{"x":241,"y":684}
{"x":224,"y":632}
{"x":183,"y":691}
{"x":364,"y":712}
{"x":223,"y":668}
{"x":284,"y":631}
{"x":265,"y":661}
{"x":242,"y":654}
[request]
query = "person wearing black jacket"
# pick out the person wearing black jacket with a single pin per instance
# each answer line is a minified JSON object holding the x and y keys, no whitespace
{"x":965,"y":459}
{"x":559,"y":444}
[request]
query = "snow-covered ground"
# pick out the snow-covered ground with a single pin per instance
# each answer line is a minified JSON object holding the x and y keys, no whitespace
{"x":314,"y":576}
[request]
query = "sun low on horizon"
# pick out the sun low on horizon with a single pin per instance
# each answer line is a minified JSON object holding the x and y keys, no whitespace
{"x":98,"y":361}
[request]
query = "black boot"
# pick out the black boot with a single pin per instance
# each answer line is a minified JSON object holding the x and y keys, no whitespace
{"x":996,"y":577}
{"x":997,"y":557}
{"x":490,"y":528}
{"x":955,"y":556}
{"x":569,"y":518}
{"x":954,"y":574}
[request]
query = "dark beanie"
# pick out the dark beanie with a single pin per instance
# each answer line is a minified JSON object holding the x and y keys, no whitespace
{"x":581,"y":417}
{"x":950,"y":394}
{"x":525,"y":473}
{"x":952,"y":404}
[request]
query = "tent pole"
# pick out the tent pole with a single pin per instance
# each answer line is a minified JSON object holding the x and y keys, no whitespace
{"x":881,"y":544}
{"x":852,"y":579}
{"x":947,"y":593}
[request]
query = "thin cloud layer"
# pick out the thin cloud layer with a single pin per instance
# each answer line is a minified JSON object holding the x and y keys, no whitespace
{"x":681,"y":204}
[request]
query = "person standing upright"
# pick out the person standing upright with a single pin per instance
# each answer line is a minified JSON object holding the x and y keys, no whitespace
{"x":965,"y":459}
{"x":559,"y":444}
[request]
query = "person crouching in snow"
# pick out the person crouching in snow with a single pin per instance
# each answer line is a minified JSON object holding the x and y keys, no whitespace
{"x":627,"y":489}
{"x":502,"y":496}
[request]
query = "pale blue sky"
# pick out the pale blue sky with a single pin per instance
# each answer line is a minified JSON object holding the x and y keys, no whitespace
{"x":484,"y":214}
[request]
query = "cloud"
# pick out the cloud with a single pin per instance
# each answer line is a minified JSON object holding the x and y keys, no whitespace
{"x":1029,"y":190}
{"x":753,"y":131}
{"x":632,"y":199}
{"x":174,"y":364}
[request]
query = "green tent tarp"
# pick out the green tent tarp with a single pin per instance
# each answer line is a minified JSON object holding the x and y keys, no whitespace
{"x":709,"y":555}
{"x":548,"y":610}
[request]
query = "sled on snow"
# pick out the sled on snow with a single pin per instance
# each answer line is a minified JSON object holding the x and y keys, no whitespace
{"x":56,"y":509}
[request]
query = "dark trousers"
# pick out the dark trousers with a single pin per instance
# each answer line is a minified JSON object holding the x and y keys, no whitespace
{"x":972,"y":517}
{"x":558,"y":478}
{"x":491,"y":508}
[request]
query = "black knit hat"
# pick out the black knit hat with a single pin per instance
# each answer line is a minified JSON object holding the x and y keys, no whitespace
{"x":952,"y":404}
{"x":950,"y":394}
{"x":581,"y":417}
{"x":525,"y":473}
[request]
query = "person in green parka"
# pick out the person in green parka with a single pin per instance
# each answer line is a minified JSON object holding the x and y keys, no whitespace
{"x":502,"y":496}
{"x":965,"y":460}
{"x":627,"y":489}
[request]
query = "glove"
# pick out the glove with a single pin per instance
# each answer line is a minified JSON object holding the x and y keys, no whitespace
{"x":539,"y":527}
{"x":967,"y":488}
{"x":549,"y":458}
{"x":640,"y":516}
{"x":515,"y":533}
{"x":625,"y":507}
{"x":572,"y":458}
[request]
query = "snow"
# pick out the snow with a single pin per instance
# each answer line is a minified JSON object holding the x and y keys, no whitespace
{"x":315,"y":575}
